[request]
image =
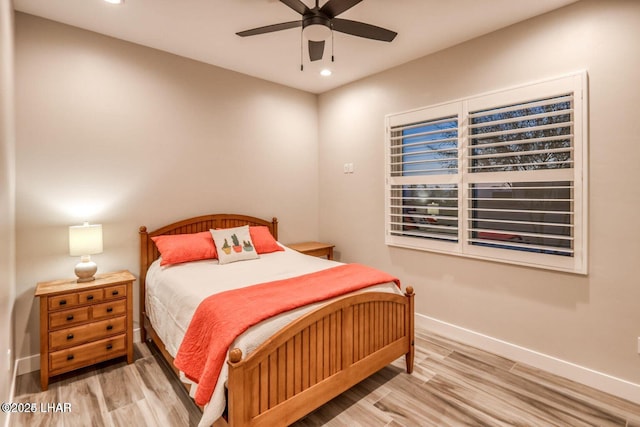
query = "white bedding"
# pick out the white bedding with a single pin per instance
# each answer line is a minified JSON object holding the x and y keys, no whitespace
{"x":174,"y":292}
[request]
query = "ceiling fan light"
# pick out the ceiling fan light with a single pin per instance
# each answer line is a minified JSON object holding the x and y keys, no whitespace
{"x":316,"y":32}
{"x":115,"y":1}
{"x":325,"y":72}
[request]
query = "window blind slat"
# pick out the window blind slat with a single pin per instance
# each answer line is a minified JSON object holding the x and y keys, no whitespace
{"x":568,"y":162}
{"x":518,"y":119}
{"x":516,"y":142}
{"x":427,"y":225}
{"x":478,"y":137}
{"x":516,"y":107}
{"x":410,"y":126}
{"x":435,"y":151}
{"x":425,"y":171}
{"x":520,"y":233}
{"x":442,"y":208}
{"x":541,"y":248}
{"x":521,"y":153}
{"x":520,"y":211}
{"x":427,"y":199}
{"x":517,"y":223}
{"x":420,"y":135}
{"x":516,"y":199}
{"x":528,"y":187}
{"x":426,"y":235}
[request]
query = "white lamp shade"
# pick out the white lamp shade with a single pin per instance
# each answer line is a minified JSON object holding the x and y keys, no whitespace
{"x":85,"y":239}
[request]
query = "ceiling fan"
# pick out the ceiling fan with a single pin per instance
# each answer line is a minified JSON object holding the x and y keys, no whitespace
{"x":319,"y":22}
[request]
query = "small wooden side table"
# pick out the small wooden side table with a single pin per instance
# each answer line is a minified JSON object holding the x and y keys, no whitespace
{"x":318,"y":249}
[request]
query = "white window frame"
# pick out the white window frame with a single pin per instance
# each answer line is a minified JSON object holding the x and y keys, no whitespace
{"x":576,"y":84}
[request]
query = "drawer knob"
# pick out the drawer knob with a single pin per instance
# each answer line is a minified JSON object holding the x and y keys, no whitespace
{"x":109,"y":327}
{"x":109,"y":346}
{"x":70,"y":336}
{"x":70,"y":317}
{"x":90,"y":297}
{"x":114,"y":293}
{"x":70,"y":357}
{"x":109,"y":309}
{"x":63,"y":302}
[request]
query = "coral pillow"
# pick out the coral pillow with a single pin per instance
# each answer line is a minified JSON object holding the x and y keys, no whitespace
{"x":263,"y":240}
{"x":178,"y":248}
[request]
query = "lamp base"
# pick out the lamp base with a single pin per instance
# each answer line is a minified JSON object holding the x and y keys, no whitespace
{"x":85,"y":270}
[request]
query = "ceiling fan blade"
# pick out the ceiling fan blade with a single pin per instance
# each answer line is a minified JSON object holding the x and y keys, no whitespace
{"x":333,"y":8}
{"x":296,"y":5}
{"x":270,"y":28}
{"x":316,"y":50}
{"x":361,"y":29}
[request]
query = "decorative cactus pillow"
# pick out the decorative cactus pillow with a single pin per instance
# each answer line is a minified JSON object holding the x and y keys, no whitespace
{"x":234,"y":244}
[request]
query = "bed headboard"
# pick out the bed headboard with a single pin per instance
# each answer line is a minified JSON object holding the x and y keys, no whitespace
{"x":149,"y":251}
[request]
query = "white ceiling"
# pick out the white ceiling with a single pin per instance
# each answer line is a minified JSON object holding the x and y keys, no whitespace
{"x":204,"y":30}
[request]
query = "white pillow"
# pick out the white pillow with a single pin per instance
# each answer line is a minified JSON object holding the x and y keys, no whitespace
{"x":234,"y":244}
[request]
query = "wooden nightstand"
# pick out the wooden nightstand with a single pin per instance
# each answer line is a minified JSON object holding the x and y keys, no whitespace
{"x":84,"y":323}
{"x":314,"y":249}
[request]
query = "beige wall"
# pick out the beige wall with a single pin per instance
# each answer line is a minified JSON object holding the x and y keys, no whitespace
{"x":7,"y":199}
{"x":592,"y":321}
{"x":124,"y":135}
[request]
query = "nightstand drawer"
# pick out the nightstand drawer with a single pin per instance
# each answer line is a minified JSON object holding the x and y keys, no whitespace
{"x":89,"y":297}
{"x":110,"y":309}
{"x":63,"y":301}
{"x":71,"y":358}
{"x":84,"y":333}
{"x":68,"y":317}
{"x":115,"y":292}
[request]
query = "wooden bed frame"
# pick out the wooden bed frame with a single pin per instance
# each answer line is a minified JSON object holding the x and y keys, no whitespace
{"x":311,"y":360}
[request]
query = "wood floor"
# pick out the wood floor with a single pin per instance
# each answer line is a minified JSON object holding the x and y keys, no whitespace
{"x":452,"y":385}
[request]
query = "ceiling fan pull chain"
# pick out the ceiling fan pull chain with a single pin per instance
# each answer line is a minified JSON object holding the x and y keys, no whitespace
{"x":332,"y":59}
{"x":301,"y":49}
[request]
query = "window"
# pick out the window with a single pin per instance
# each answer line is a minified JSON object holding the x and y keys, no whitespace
{"x":500,"y":176}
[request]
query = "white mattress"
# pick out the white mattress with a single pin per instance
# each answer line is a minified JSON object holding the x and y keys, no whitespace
{"x":174,"y":292}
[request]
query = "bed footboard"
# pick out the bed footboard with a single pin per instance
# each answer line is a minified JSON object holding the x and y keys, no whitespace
{"x":319,"y":356}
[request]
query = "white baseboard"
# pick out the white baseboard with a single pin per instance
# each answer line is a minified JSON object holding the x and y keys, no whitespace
{"x":136,"y":335}
{"x":598,"y":380}
{"x":31,"y":363}
{"x":27,"y":364}
{"x":11,"y":392}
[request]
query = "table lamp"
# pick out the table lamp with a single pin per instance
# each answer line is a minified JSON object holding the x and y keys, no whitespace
{"x":85,"y":240}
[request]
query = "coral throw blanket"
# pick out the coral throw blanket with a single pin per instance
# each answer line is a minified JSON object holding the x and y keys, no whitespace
{"x":220,"y":318}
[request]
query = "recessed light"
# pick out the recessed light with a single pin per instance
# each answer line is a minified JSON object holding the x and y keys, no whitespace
{"x":114,"y":1}
{"x":325,"y":72}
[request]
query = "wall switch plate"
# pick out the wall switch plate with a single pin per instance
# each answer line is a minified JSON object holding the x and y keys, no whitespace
{"x":348,"y":168}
